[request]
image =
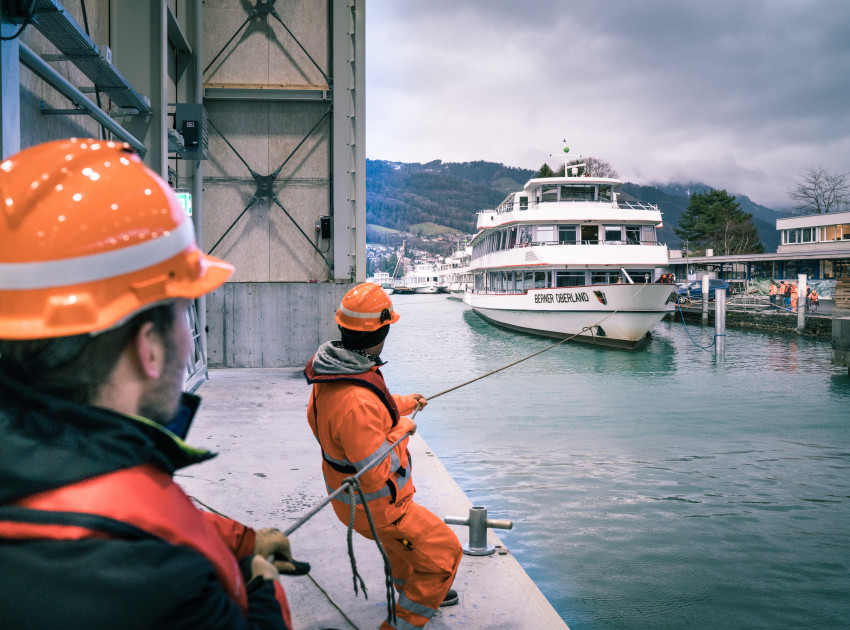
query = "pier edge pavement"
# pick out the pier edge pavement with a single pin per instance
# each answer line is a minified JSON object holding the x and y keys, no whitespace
{"x":268,"y":473}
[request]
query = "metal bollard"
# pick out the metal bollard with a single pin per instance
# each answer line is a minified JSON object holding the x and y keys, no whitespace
{"x":478,"y":524}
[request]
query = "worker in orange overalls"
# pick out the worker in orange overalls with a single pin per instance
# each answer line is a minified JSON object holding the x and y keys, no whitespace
{"x":772,"y":294}
{"x":795,"y":295}
{"x":815,"y":300}
{"x":356,"y":419}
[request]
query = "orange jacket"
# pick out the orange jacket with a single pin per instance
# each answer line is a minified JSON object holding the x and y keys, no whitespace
{"x":773,"y":289}
{"x":355,"y":419}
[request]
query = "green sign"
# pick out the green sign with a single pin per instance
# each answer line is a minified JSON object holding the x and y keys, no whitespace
{"x":185,"y":199}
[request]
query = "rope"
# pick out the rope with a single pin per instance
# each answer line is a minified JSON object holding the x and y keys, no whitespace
{"x":353,"y":485}
{"x":350,"y":551}
{"x":554,"y":345}
{"x":682,"y":313}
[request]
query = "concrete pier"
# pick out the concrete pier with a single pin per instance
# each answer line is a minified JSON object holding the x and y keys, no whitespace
{"x":268,"y":473}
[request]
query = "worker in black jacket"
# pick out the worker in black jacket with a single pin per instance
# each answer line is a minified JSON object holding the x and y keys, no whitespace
{"x":98,"y":265}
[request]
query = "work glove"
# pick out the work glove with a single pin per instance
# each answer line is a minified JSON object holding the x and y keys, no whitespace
{"x":273,"y":544}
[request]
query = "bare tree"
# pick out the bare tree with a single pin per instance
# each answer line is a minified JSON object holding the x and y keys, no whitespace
{"x":593,"y":167}
{"x":820,"y":192}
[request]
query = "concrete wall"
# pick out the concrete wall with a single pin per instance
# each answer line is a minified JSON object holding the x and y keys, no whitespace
{"x":279,"y":305}
{"x":816,"y":325}
{"x":270,"y":325}
{"x":841,"y":342}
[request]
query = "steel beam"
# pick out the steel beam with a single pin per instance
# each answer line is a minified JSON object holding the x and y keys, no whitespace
{"x":64,"y":87}
{"x":349,"y":134}
{"x":10,"y":97}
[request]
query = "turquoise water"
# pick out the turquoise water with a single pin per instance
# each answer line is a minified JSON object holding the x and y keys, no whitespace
{"x":657,"y":488}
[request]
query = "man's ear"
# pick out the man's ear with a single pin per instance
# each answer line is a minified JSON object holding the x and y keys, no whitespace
{"x":150,"y":350}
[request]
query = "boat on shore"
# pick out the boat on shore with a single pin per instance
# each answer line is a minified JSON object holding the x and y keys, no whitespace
{"x":568,"y":257}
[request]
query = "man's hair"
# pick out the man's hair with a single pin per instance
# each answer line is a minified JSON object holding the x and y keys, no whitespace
{"x":75,"y":368}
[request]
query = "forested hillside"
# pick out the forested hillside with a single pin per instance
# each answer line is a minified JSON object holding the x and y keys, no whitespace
{"x":399,"y":195}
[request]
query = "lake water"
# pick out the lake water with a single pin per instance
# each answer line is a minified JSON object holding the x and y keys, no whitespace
{"x":656,"y":488}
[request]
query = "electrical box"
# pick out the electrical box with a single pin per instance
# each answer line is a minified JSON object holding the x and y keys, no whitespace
{"x":191,"y":121}
{"x":325,"y":227}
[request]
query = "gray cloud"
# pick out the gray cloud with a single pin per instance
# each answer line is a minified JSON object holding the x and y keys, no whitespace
{"x":742,"y":95}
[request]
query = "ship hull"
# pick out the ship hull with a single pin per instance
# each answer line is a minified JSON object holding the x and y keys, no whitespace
{"x":609,"y":315}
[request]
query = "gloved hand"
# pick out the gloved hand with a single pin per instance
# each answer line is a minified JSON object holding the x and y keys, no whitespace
{"x":273,"y":544}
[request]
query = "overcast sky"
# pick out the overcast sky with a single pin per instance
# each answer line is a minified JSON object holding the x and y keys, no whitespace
{"x":742,"y":95}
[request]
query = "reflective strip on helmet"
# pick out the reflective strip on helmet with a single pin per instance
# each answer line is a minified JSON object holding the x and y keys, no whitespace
{"x":351,"y":313}
{"x":82,"y":269}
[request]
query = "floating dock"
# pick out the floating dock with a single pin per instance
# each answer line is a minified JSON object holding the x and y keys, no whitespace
{"x":268,"y":473}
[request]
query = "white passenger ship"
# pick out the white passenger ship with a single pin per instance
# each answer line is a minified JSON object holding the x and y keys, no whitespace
{"x":564,"y":256}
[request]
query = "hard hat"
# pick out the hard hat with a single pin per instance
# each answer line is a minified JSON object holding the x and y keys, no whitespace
{"x":89,"y":236}
{"x":366,"y":307}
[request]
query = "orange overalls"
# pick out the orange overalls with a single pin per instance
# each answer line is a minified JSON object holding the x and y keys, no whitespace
{"x":795,"y":295}
{"x":355,"y":419}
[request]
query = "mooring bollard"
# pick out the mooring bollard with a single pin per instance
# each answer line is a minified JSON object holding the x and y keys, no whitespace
{"x":478,"y":524}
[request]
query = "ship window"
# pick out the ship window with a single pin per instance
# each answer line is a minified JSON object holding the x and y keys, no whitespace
{"x":512,"y":238}
{"x":545,"y":234}
{"x":578,"y":192}
{"x":549,"y":192}
{"x":604,"y":277}
{"x":524,"y":235}
{"x":589,"y":234}
{"x":604,"y":193}
{"x":567,"y":234}
{"x":640,"y":276}
{"x":633,"y":234}
{"x":523,"y":203}
{"x":518,"y":281}
{"x":569,"y":279}
{"x":613,"y":233}
{"x":528,"y":280}
{"x":648,"y":234}
{"x":541,"y":280}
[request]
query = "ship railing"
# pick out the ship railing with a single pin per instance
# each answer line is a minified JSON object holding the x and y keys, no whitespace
{"x":586,"y":242}
{"x":536,"y":205}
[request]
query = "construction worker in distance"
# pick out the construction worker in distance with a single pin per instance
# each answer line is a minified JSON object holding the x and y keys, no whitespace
{"x":355,"y":420}
{"x":98,"y":266}
{"x":772,"y":292}
{"x":794,"y":292}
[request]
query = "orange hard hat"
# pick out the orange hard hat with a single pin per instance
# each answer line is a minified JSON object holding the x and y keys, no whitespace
{"x":366,"y":307}
{"x":89,"y":236}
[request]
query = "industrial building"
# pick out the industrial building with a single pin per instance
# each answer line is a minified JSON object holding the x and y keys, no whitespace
{"x":254,"y":113}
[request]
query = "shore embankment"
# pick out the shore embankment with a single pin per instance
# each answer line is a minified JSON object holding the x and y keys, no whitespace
{"x":766,"y":320}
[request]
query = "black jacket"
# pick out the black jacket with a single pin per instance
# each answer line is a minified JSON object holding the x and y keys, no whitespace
{"x":128,"y":581}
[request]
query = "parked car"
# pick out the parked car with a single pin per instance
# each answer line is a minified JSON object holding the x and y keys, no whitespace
{"x":693,"y":291}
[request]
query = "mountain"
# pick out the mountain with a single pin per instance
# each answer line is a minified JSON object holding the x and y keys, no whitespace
{"x":399,"y":195}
